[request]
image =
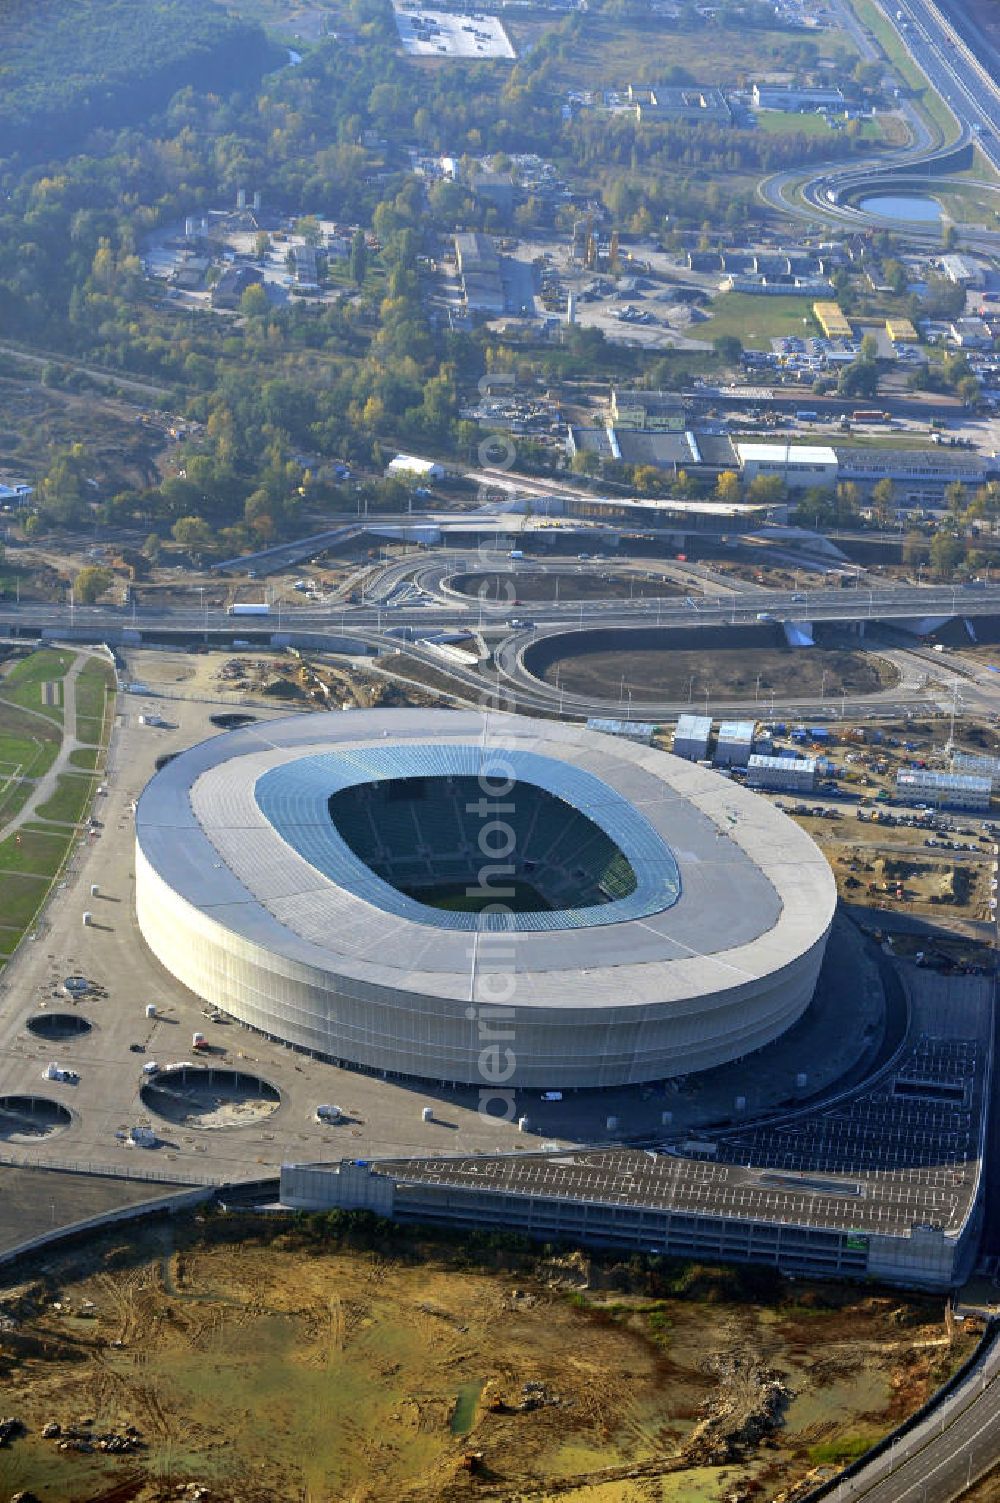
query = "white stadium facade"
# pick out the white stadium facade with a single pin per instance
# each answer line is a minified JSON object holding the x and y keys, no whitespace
{"x":461,"y":896}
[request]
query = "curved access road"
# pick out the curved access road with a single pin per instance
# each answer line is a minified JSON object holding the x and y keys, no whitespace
{"x":969,"y":92}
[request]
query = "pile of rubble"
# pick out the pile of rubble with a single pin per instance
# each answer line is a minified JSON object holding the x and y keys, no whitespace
{"x":534,"y":1395}
{"x":746,"y":1407}
{"x":83,"y":1437}
{"x":10,"y":1429}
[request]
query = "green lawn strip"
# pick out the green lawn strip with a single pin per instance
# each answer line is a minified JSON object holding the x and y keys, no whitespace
{"x":93,"y":683}
{"x":88,"y":729}
{"x":38,"y":852}
{"x":23,"y":684}
{"x":791,"y":123}
{"x":845,"y":1448}
{"x":13,"y":797}
{"x":85,"y":757}
{"x":758,"y":320}
{"x":68,"y":803}
{"x":928,"y":101}
{"x":21,"y":763}
{"x":22,"y":898}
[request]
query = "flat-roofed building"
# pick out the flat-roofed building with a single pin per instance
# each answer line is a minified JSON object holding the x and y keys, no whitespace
{"x":790,"y":774}
{"x":832,"y":320}
{"x":901,"y":330}
{"x":476,"y":253}
{"x":799,"y":466}
{"x":920,"y":474}
{"x":735,"y":743}
{"x":663,"y":411}
{"x":963,"y":270}
{"x":691,"y":737}
{"x":691,"y":104}
{"x":782,"y":97}
{"x":945,"y":790}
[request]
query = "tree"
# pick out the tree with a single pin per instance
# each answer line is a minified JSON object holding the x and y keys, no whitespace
{"x":914,"y":548}
{"x":191,"y":532}
{"x":90,"y":583}
{"x":728,"y":487}
{"x":728,"y":348}
{"x":956,"y":497}
{"x":151,"y":547}
{"x":254,"y":301}
{"x":967,"y":390}
{"x":359,"y":258}
{"x":869,"y":348}
{"x":884,"y":501}
{"x":859,"y":379}
{"x":946,"y":554}
{"x":647,"y":479}
{"x":768,"y":489}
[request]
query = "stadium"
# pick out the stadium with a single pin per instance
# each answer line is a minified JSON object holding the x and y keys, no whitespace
{"x":477,"y":898}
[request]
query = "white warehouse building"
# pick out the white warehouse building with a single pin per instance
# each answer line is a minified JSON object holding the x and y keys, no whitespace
{"x":691,"y":737}
{"x":788,"y":774}
{"x":735,"y":743}
{"x":798,"y":466}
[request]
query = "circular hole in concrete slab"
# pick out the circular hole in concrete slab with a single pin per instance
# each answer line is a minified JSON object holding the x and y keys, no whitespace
{"x":23,"y":1119}
{"x":58,"y":1025}
{"x":206,"y":1097}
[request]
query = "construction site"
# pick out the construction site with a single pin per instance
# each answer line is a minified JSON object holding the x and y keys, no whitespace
{"x":224,"y":1357}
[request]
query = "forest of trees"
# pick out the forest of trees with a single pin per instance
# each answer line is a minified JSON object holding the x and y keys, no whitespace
{"x":67,"y":68}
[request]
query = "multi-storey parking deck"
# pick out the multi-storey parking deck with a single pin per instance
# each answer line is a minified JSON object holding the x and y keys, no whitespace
{"x":883,"y":1183}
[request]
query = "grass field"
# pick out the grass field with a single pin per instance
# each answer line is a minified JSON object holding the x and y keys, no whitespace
{"x":85,"y":757}
{"x":612,"y":51}
{"x":23,"y":685}
{"x":758,"y":320}
{"x":784,"y":123}
{"x":31,"y":858}
{"x":28,"y":743}
{"x":71,"y":797}
{"x":92,"y":685}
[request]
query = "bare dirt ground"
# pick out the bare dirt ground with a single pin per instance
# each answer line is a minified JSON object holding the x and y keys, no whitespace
{"x":35,"y":419}
{"x":526,"y":585}
{"x":723,"y":663}
{"x":293,"y":1367}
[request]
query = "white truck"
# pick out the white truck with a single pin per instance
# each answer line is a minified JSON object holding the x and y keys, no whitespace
{"x":246,"y":608}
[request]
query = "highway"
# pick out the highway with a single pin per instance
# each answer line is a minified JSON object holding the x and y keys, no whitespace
{"x":970,"y":91}
{"x":739,"y":607}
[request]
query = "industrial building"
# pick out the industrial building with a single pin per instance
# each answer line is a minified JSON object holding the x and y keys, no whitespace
{"x":921,"y":475}
{"x":783,"y":774}
{"x":785,"y":97}
{"x":832,"y":320}
{"x":479,"y":268}
{"x":692,"y":736}
{"x":798,"y":466}
{"x":661,"y":919}
{"x":963,"y":270}
{"x":412,"y":467}
{"x":734,"y":743}
{"x":690,"y":104}
{"x":652,"y":411}
{"x":901,"y":330}
{"x":945,"y":790}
